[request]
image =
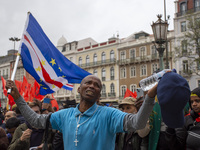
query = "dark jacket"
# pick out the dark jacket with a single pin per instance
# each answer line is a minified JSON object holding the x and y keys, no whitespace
{"x":187,"y":137}
{"x":17,"y":144}
{"x":131,"y":141}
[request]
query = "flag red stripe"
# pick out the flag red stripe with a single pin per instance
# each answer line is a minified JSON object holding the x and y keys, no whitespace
{"x":44,"y":72}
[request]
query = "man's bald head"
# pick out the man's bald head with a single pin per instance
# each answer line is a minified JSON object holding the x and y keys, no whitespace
{"x":10,"y":114}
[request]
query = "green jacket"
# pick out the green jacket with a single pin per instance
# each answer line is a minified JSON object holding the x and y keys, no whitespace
{"x":17,"y":144}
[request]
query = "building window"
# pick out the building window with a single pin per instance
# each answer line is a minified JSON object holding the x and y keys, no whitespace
{"x":183,"y":8}
{"x":123,"y":72}
{"x":122,"y":55}
{"x":133,"y":71}
{"x":183,"y":26}
{"x":184,"y":46}
{"x":132,"y":53}
{"x":112,"y":73}
{"x":154,"y":67}
{"x":133,"y":87}
{"x":80,"y":61}
{"x":63,"y":49}
{"x":103,"y":57}
{"x":112,"y":55}
{"x":143,"y":70}
{"x":71,"y":59}
{"x":123,"y":90}
{"x":185,"y":66}
{"x":95,"y":58}
{"x":103,"y":74}
{"x":103,"y":91}
{"x":87,"y":60}
{"x":154,"y":52}
{"x":112,"y":88}
{"x":142,"y":52}
{"x":95,"y":72}
{"x":198,"y":83}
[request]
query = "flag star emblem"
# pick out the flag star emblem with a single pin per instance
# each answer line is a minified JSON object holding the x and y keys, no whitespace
{"x":53,"y":61}
{"x":53,"y":86}
{"x":40,"y":84}
{"x":63,"y":76}
{"x":38,"y":69}
{"x":40,"y":80}
{"x":43,"y":62}
{"x":44,"y":88}
{"x":60,"y":69}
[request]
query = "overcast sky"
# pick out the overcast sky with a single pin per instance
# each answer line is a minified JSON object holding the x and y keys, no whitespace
{"x":79,"y":19}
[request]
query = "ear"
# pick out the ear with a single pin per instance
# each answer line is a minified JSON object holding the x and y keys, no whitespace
{"x":78,"y":90}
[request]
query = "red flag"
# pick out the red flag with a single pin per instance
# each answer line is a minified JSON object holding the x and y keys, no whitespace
{"x":27,"y":92}
{"x":130,"y":94}
{"x":35,"y":92}
{"x":54,"y":103}
{"x":11,"y":100}
{"x":24,"y":85}
{"x":19,"y":86}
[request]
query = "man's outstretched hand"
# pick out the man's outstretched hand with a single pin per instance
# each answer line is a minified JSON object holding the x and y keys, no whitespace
{"x":14,"y":91}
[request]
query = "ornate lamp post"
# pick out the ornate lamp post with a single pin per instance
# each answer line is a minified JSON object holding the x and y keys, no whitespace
{"x":14,"y":39}
{"x":160,"y":35}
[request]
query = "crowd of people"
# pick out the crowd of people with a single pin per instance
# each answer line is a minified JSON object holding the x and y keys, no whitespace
{"x":138,"y":123}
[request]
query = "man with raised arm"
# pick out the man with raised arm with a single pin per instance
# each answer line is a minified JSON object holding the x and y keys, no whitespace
{"x":88,"y":126}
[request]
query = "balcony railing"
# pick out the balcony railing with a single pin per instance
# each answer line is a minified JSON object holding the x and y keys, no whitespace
{"x":5,"y":77}
{"x":188,"y":11}
{"x":185,"y":73}
{"x":112,"y":77}
{"x":112,"y":94}
{"x":103,"y":95}
{"x":98,"y":63}
{"x":103,"y":78}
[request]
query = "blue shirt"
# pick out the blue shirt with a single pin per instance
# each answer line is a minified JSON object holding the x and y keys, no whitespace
{"x":97,"y":133}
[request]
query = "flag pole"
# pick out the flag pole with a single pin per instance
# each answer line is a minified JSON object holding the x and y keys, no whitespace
{"x":16,"y":61}
{"x":14,"y":71}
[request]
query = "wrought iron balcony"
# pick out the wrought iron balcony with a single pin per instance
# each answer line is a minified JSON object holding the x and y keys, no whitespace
{"x":98,"y":63}
{"x":189,"y":11}
{"x":103,"y":78}
{"x":112,"y":94}
{"x":103,"y":95}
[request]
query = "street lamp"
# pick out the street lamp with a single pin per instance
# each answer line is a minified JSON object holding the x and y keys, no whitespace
{"x":160,"y":28}
{"x":14,"y":39}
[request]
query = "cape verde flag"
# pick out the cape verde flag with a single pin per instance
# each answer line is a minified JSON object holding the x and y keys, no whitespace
{"x":50,"y":68}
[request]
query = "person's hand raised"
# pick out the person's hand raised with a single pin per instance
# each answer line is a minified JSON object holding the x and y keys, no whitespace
{"x":139,"y":102}
{"x":26,"y":134}
{"x":14,"y":91}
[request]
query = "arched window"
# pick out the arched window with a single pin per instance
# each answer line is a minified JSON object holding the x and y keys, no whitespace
{"x":95,"y":58}
{"x":103,"y":91}
{"x":112,"y":55}
{"x":112,"y":88}
{"x":103,"y":57}
{"x":133,"y":87}
{"x":123,"y":72}
{"x":80,"y":61}
{"x":95,"y":72}
{"x":132,"y":53}
{"x":103,"y":74}
{"x":87,"y":60}
{"x":112,"y":73}
{"x":123,"y":90}
{"x":133,"y":71}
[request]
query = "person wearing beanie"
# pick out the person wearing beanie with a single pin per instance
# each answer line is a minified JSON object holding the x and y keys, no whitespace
{"x":188,"y":136}
{"x":132,"y":140}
